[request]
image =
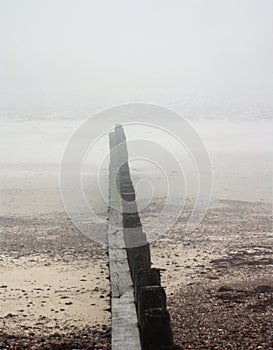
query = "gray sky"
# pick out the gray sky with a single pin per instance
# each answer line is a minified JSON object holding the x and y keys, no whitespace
{"x":77,"y":56}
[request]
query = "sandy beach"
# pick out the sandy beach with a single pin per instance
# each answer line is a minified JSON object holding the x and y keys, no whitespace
{"x":188,"y":85}
{"x":54,"y":280}
{"x":220,"y":287}
{"x":55,"y":291}
{"x":54,"y":285}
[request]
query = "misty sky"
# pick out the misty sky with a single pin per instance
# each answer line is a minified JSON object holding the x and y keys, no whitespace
{"x":75,"y":57}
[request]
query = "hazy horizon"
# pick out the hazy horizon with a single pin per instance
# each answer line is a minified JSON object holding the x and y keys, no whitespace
{"x":70,"y":59}
{"x":62,"y":61}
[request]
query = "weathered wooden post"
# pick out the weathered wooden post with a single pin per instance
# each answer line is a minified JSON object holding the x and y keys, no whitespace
{"x":146,"y":277}
{"x":133,"y":282}
{"x":150,"y":297}
{"x":156,"y":333}
{"x":125,"y":331}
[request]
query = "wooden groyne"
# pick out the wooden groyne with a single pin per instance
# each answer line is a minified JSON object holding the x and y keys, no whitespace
{"x":140,"y":319}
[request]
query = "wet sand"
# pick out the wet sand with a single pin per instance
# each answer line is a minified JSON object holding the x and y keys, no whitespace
{"x":54,"y":287}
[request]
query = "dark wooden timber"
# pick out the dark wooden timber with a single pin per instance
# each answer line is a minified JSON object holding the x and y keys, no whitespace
{"x":140,"y":319}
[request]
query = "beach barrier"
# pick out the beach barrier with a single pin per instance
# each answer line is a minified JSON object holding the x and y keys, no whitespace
{"x":140,"y":319}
